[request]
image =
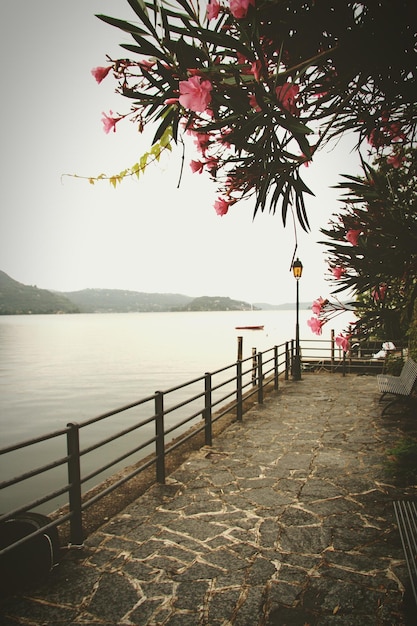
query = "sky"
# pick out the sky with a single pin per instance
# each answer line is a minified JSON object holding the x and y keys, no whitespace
{"x":61,"y":233}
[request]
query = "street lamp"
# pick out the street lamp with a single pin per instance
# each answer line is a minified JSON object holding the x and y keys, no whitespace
{"x":297,"y":269}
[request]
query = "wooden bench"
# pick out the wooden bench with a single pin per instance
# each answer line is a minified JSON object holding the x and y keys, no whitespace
{"x":406,"y":514}
{"x":400,"y":386}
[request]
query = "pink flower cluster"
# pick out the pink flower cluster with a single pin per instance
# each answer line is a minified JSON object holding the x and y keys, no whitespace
{"x":238,"y":8}
{"x":324,"y":311}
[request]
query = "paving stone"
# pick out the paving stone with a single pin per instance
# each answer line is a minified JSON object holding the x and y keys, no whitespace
{"x":114,"y":597}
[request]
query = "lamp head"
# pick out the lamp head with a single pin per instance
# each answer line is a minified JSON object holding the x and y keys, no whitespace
{"x":297,"y":268}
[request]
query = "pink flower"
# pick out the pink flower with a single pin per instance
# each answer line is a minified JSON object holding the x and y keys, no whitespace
{"x":378,"y":294}
{"x":315,"y":325}
{"x":195,"y":93}
{"x":395,"y":160}
{"x":171,"y":101}
{"x":352,"y":236}
{"x":318,"y":305}
{"x":256,"y":69}
{"x":109,"y":122}
{"x":239,"y":8}
{"x":338,"y":272}
{"x":213,"y":9}
{"x":202,"y":141}
{"x":100,"y":73}
{"x":196,"y":166}
{"x":342,"y":342}
{"x":287,"y":96}
{"x":222,"y":206}
{"x":146,"y":64}
{"x":211,"y":164}
{"x":253,"y":103}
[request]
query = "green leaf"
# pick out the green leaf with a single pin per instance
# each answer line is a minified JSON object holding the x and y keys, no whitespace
{"x":166,"y":122}
{"x":187,"y":8}
{"x":140,"y":9}
{"x":147,"y":48}
{"x":224,"y":40}
{"x":122,"y":25}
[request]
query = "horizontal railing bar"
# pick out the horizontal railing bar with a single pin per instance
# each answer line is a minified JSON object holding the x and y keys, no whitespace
{"x":227,"y":410}
{"x":36,"y":472}
{"x":224,"y":383}
{"x":30,"y":442}
{"x":121,"y":409}
{"x":102,"y":469}
{"x":223,"y":398}
{"x":117,"y":435}
{"x":190,"y":435}
{"x":226,"y":367}
{"x":174,"y":407}
{"x":35,"y":503}
{"x":177,"y":425}
{"x":85,"y":505}
{"x":182,"y":385}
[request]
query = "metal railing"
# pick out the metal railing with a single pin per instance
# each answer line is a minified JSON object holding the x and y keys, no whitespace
{"x":158,"y":425}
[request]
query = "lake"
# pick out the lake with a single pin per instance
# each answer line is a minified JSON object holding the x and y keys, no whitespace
{"x":56,"y":369}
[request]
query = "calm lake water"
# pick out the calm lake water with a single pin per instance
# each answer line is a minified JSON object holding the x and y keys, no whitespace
{"x":56,"y":369}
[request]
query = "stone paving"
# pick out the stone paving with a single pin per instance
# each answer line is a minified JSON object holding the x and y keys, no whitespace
{"x":286,"y":520}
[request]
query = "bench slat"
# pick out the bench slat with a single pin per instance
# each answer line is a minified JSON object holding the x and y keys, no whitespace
{"x":406,"y":514}
{"x":400,"y":386}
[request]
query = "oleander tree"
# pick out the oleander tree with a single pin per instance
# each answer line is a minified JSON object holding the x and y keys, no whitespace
{"x":261,"y":85}
{"x":372,"y":247}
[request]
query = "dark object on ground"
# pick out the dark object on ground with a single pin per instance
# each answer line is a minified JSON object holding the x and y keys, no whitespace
{"x":31,"y":561}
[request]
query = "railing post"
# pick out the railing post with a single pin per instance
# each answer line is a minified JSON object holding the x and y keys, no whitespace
{"x":292,"y":361}
{"x":207,"y":410}
{"x":260,"y":380}
{"x":239,"y":395}
{"x":254,"y":367}
{"x":287,"y":360}
{"x":239,"y":348}
{"x":160,"y":437}
{"x":332,"y":344}
{"x":74,"y":480}
{"x":276,"y":365}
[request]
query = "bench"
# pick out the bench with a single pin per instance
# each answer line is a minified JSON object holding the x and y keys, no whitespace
{"x":406,"y":514}
{"x":399,"y":386}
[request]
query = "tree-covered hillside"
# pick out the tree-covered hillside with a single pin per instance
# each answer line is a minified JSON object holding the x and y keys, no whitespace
{"x":124,"y":301}
{"x":19,"y":299}
{"x":207,"y":303}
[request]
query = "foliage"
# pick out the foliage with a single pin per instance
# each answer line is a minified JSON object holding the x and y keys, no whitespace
{"x":394,"y":365}
{"x":402,"y":461}
{"x":262,"y":84}
{"x":372,"y":244}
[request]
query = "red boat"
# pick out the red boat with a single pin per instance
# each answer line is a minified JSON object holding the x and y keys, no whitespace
{"x":249,"y":327}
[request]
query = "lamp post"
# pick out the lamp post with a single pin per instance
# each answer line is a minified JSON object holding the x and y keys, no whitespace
{"x":297,"y":269}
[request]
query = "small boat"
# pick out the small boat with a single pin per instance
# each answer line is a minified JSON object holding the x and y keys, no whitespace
{"x":260,"y":327}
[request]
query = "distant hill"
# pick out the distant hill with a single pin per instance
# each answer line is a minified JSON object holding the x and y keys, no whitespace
{"x":122,"y":301}
{"x":216,"y":303}
{"x":19,"y":299}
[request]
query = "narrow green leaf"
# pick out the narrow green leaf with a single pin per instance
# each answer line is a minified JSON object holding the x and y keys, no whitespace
{"x":140,"y":9}
{"x":122,"y":25}
{"x":166,"y":122}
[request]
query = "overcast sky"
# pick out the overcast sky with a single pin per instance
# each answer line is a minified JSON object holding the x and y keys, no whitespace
{"x":62,"y":233}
